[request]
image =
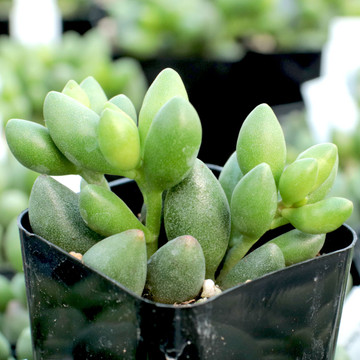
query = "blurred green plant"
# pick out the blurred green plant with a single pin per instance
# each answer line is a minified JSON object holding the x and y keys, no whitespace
{"x":15,"y":186}
{"x":71,"y":9}
{"x":27,"y":74}
{"x":219,"y":29}
{"x":150,"y":28}
{"x":299,"y":24}
{"x":15,"y":339}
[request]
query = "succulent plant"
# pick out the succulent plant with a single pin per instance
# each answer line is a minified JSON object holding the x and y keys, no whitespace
{"x":211,"y":225}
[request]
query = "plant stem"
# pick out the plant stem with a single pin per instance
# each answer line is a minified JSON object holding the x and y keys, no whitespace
{"x":278,"y":221}
{"x":131,"y":174}
{"x":235,"y":254}
{"x":96,"y":178}
{"x":153,"y":203}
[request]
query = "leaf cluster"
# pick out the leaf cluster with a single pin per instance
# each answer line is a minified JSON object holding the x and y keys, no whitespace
{"x":210,"y":224}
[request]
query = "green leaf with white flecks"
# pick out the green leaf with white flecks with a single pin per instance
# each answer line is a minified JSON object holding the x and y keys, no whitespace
{"x":261,"y":140}
{"x":166,"y":85}
{"x":33,"y":147}
{"x":254,"y":202}
{"x":298,"y":246}
{"x":73,"y":128}
{"x":321,"y":217}
{"x":74,"y":90}
{"x":95,"y":93}
{"x":198,"y":207}
{"x":326,"y":155}
{"x":54,"y":215}
{"x":263,"y":260}
{"x":119,"y":140}
{"x":171,"y":284}
{"x":230,"y":175}
{"x":122,"y":257}
{"x":297,"y":180}
{"x":126,"y":105}
{"x":104,"y":212}
{"x":172,"y":144}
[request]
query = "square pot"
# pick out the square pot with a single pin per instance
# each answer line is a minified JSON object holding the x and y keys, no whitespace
{"x":78,"y":313}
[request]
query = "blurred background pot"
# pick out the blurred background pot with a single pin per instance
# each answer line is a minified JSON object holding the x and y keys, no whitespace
{"x":77,"y":313}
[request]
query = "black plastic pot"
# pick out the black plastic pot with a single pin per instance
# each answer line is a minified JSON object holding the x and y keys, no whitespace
{"x":77,"y":313}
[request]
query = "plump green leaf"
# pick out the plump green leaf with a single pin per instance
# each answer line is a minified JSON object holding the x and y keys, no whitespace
{"x":14,"y":321}
{"x":122,"y":257}
{"x":176,"y":272}
{"x":321,"y":217}
{"x":5,"y":348}
{"x":73,"y":128}
{"x":105,"y":212}
{"x":230,"y":175}
{"x":6,"y":293}
{"x":24,"y":345}
{"x":33,"y":147}
{"x":325,"y":188}
{"x":54,"y":215}
{"x":74,"y":90}
{"x":326,"y":155}
{"x":172,"y":144}
{"x":239,"y":246}
{"x":95,"y":93}
{"x":298,"y":246}
{"x":119,"y":140}
{"x":265,"y":259}
{"x":12,"y":202}
{"x":297,"y":180}
{"x":12,"y":246}
{"x":166,"y":85}
{"x":126,"y":105}
{"x":198,"y":206}
{"x":254,"y":202}
{"x":261,"y":139}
